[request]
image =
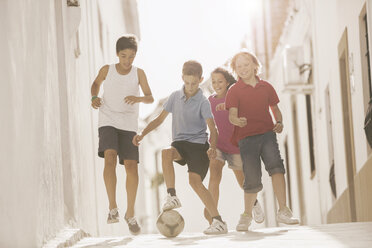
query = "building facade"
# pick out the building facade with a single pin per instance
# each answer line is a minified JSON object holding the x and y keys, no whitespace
{"x":50,"y":175}
{"x":321,"y":70}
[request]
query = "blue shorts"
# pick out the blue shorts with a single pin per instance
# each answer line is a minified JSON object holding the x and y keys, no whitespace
{"x":252,"y":150}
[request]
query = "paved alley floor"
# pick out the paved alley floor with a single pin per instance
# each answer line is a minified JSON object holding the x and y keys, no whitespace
{"x":330,"y":236}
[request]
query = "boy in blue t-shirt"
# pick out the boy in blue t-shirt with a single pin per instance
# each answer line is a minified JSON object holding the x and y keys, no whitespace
{"x":191,"y":113}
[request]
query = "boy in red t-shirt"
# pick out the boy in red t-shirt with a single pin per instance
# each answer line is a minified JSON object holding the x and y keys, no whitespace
{"x":249,"y":102}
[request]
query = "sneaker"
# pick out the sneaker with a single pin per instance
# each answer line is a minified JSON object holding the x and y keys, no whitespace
{"x":171,"y":202}
{"x":133,"y":226}
{"x":285,"y":216}
{"x":244,"y":222}
{"x":113,"y":216}
{"x":258,"y":213}
{"x":217,"y":227}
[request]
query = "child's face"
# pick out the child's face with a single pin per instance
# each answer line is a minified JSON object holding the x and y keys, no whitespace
{"x":126,"y":58}
{"x":244,"y":67}
{"x":191,"y":84}
{"x":219,"y":84}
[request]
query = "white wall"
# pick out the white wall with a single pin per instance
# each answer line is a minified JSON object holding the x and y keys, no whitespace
{"x":31,"y":165}
{"x":324,"y":23}
{"x":50,"y":174}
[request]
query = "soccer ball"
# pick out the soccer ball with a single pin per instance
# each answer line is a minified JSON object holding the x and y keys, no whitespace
{"x":170,"y":223}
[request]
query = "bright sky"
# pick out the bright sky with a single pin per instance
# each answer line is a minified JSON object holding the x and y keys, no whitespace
{"x":174,"y":31}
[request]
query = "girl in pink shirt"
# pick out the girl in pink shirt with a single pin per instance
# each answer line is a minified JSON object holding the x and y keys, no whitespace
{"x":226,"y":151}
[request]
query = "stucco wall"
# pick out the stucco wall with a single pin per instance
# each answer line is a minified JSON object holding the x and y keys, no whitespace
{"x":323,"y":22}
{"x":50,"y":175}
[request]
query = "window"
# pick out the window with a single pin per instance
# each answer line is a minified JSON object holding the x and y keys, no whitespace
{"x":365,"y":57}
{"x":311,"y":135}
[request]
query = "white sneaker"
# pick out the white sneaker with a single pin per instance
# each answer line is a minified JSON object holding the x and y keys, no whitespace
{"x":217,"y":227}
{"x":171,"y":202}
{"x":258,"y":213}
{"x":113,"y":216}
{"x":244,"y":222}
{"x":285,"y":216}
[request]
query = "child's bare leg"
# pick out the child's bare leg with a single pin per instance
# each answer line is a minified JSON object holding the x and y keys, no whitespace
{"x":215,"y":170}
{"x":279,"y":189}
{"x":109,"y":176}
{"x":203,"y":193}
{"x":239,"y":175}
{"x":131,"y":169}
{"x":249,"y":200}
{"x":168,"y":155}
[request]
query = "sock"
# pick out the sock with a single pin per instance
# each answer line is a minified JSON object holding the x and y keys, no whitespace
{"x":171,"y":191}
{"x":218,"y":217}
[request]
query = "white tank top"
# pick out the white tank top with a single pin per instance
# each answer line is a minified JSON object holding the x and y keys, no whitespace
{"x":114,"y":111}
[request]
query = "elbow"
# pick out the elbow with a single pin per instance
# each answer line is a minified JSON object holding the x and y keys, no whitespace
{"x":148,"y":99}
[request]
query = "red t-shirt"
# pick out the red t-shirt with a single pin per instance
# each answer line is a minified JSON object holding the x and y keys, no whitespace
{"x":252,"y":103}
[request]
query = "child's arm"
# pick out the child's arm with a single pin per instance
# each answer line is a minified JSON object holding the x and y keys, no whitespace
{"x":147,"y":98}
{"x":213,"y":138}
{"x":96,"y":101}
{"x":278,"y":128}
{"x":235,"y":120}
{"x":221,"y":107}
{"x":151,"y":126}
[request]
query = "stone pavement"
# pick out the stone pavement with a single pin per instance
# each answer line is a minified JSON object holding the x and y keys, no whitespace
{"x":331,"y":235}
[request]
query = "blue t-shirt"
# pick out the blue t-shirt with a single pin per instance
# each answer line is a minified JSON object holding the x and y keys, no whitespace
{"x":189,"y":116}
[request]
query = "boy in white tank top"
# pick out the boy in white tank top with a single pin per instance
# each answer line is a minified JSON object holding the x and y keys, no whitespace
{"x":118,"y":124}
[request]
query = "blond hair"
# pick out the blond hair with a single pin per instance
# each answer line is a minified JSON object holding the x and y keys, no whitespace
{"x":258,"y":66}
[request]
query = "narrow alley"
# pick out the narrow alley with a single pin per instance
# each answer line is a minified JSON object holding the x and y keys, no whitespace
{"x":69,"y":170}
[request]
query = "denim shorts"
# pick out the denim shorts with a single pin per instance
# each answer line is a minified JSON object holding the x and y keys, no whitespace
{"x":234,"y":161}
{"x":255,"y":148}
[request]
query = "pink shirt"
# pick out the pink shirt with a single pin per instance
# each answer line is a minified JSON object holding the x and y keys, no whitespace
{"x":224,"y":127}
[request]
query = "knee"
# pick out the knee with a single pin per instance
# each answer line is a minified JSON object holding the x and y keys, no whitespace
{"x":131,"y":168}
{"x":110,"y":159}
{"x":167,"y":154}
{"x":195,"y":182}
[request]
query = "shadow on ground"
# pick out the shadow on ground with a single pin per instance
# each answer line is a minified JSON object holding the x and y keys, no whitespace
{"x":108,"y":243}
{"x":232,"y":236}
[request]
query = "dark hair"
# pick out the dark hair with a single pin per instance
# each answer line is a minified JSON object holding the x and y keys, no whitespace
{"x":126,"y":42}
{"x":193,"y":68}
{"x":226,"y":74}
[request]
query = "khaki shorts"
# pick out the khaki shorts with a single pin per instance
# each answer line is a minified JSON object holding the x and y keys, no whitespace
{"x":234,"y":161}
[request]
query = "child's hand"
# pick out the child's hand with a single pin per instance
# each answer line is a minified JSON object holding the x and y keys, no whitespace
{"x":96,"y":103}
{"x":132,"y":99}
{"x":136,"y":139}
{"x":220,"y":107}
{"x":278,"y":128}
{"x":241,"y":122}
{"x":211,"y":153}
